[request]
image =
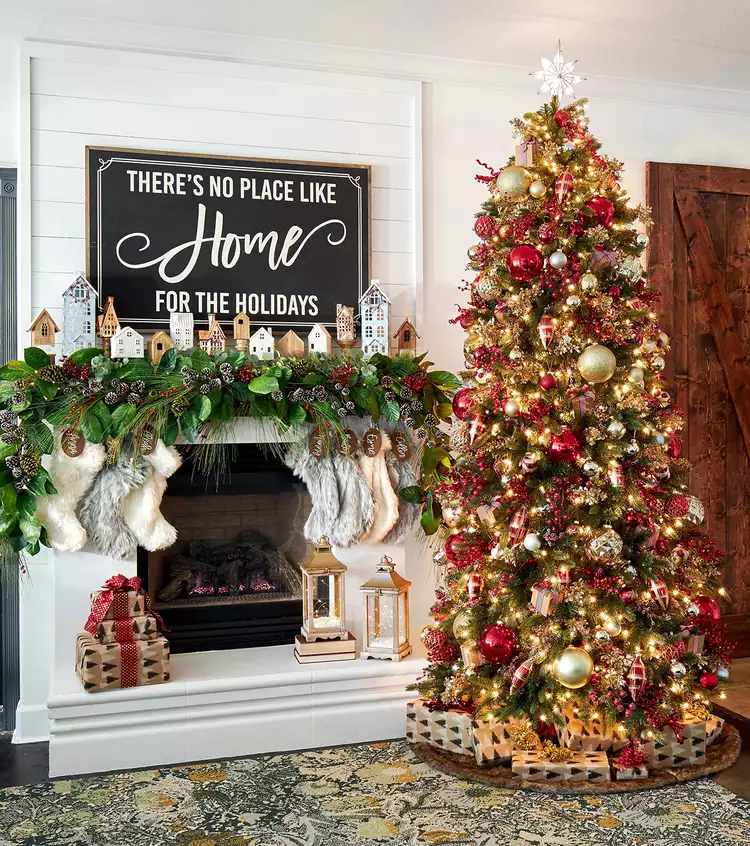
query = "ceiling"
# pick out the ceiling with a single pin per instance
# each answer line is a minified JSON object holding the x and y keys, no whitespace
{"x":690,"y":42}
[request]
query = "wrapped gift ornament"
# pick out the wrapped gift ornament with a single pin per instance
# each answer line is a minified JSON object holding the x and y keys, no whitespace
{"x":672,"y":752}
{"x":583,"y":404}
{"x":470,"y":656}
{"x":527,"y":154}
{"x":108,"y":666}
{"x":695,"y":643}
{"x":543,"y":599}
{"x":590,"y":736}
{"x":126,"y":630}
{"x":447,"y":729}
{"x":581,"y":766}
{"x":622,"y":773}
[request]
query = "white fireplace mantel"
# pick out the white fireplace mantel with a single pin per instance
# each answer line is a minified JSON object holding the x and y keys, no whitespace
{"x":224,"y":704}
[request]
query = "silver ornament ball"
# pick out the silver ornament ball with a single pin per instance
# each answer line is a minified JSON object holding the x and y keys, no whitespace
{"x":632,"y":449}
{"x":590,"y":467}
{"x":473,"y":251}
{"x":722,"y":673}
{"x":641,"y":239}
{"x":657,"y":364}
{"x":692,"y":610}
{"x":558,"y":259}
{"x":573,"y":301}
{"x":532,"y":542}
{"x":589,"y":282}
{"x":616,"y":429}
{"x":601,"y":635}
{"x":515,"y":354}
{"x":612,"y":626}
{"x":635,"y":374}
{"x":659,"y":439}
{"x":678,"y":669}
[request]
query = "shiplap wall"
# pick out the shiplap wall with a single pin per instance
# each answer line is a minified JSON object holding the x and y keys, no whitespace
{"x":80,"y":96}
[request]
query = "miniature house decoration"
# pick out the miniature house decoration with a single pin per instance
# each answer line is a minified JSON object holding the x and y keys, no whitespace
{"x":375,"y":310}
{"x":291,"y":345}
{"x":323,"y":608}
{"x":241,"y":332}
{"x":385,"y":614}
{"x":261,"y":343}
{"x":406,"y":337}
{"x":346,"y":335}
{"x":160,"y":342}
{"x":319,"y":340}
{"x":181,"y":329}
{"x":79,"y":316}
{"x":107,"y":324}
{"x":127,"y":343}
{"x":212,"y":340}
{"x":43,"y":330}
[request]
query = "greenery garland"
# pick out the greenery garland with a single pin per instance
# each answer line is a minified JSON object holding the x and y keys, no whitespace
{"x":192,"y":393}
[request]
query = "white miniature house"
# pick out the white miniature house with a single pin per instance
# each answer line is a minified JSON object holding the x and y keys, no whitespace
{"x":319,"y":340}
{"x":79,"y":316}
{"x":181,"y":329}
{"x":261,"y":343}
{"x":127,"y":343}
{"x":375,"y":310}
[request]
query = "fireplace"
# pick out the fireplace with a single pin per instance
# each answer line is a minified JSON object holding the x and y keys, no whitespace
{"x":232,"y":579}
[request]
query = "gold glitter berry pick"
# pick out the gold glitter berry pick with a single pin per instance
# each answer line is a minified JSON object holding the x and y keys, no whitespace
{"x":556,"y":754}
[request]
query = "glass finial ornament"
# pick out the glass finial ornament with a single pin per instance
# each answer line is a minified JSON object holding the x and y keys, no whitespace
{"x":557,"y":76}
{"x":323,"y":608}
{"x":385,"y":614}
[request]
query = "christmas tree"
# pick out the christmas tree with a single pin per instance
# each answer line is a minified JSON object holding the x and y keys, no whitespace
{"x":575,"y":572}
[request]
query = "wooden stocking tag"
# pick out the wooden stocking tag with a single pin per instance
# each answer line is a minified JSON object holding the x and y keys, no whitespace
{"x":401,"y":446}
{"x":72,"y":443}
{"x":372,"y":441}
{"x":318,"y":445}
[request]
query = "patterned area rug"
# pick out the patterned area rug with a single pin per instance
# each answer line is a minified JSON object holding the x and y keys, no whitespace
{"x":371,"y":794}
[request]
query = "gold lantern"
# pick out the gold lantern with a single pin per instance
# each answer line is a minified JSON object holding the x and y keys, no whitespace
{"x":385,"y":614}
{"x":323,"y":577}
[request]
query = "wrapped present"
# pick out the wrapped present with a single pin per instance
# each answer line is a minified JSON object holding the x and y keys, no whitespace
{"x":108,"y":666}
{"x":527,"y":154}
{"x":581,"y":766}
{"x":128,"y":629}
{"x":714,"y":728}
{"x":543,"y":599}
{"x":583,"y":403}
{"x":623,"y":773}
{"x":448,"y":729}
{"x":590,"y":736}
{"x":470,"y":656}
{"x":493,"y":741}
{"x":672,"y":752}
{"x":705,"y":727}
{"x":118,"y":599}
{"x":695,"y":643}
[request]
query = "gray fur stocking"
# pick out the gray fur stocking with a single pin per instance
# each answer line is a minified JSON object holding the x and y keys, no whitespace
{"x":375,"y":471}
{"x":100,"y":511}
{"x":401,"y":474}
{"x":357,"y":503}
{"x":320,"y":479}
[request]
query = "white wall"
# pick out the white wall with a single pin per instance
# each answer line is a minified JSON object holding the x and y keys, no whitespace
{"x":465,"y":115}
{"x":8,"y":102}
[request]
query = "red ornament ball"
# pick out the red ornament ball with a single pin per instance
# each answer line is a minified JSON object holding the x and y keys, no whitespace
{"x":675,"y":446}
{"x":440,"y":648}
{"x":524,"y":262}
{"x":485,"y":226}
{"x":498,"y":644}
{"x":628,"y":595}
{"x":562,"y":118}
{"x":564,"y":447}
{"x":604,"y":210}
{"x":547,"y":233}
{"x":575,"y":229}
{"x":462,"y":403}
{"x":708,"y":681}
{"x":677,"y":506}
{"x":548,"y":382}
{"x":709,"y":613}
{"x":466,"y":321}
{"x":456,"y":548}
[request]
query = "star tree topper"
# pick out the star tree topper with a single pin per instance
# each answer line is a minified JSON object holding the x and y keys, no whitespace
{"x":557,"y":75}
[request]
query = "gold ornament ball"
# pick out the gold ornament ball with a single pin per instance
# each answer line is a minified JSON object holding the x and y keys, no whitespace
{"x":461,"y":622}
{"x":589,"y":282}
{"x":537,"y":189}
{"x":612,"y":626}
{"x":635,"y":374}
{"x":597,"y":363}
{"x":512,"y":183}
{"x":573,"y":668}
{"x":658,"y":364}
{"x":605,"y":546}
{"x":487,"y":288}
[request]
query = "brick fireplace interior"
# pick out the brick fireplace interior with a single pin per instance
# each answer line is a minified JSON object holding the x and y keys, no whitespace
{"x":232,"y":578}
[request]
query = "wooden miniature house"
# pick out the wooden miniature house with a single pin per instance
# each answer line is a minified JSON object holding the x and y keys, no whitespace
{"x":127,"y":343}
{"x":160,"y":342}
{"x":43,"y":330}
{"x":291,"y":345}
{"x":181,"y":329}
{"x":375,"y":311}
{"x":346,"y":334}
{"x":261,"y":343}
{"x":107,"y":325}
{"x":406,"y":337}
{"x":79,"y":316}
{"x":241,"y":332}
{"x":212,"y":340}
{"x":319,"y":340}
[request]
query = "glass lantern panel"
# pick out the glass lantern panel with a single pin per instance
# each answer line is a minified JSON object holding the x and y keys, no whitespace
{"x":403,"y":622}
{"x":326,"y":602}
{"x":380,"y":622}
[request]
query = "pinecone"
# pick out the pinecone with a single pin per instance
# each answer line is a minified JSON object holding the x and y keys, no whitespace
{"x":52,"y":373}
{"x":133,"y":398}
{"x":30,"y":461}
{"x":277,"y":396}
{"x":205,"y":388}
{"x":18,"y":398}
{"x":7,"y":417}
{"x":110,"y":398}
{"x":180,"y":406}
{"x":11,"y":434}
{"x":225,"y":368}
{"x":300,"y":367}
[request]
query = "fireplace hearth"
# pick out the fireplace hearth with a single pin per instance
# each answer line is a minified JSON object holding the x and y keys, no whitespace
{"x":232,"y":579}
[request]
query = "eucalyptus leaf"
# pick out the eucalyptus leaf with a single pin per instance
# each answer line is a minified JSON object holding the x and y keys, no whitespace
{"x":264,"y":385}
{"x":35,"y":357}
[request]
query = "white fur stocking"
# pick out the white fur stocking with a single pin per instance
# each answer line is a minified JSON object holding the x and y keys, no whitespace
{"x":401,"y":475}
{"x":320,"y":479}
{"x":375,"y":471}
{"x":72,"y":477}
{"x":357,"y":503}
{"x":141,"y":508}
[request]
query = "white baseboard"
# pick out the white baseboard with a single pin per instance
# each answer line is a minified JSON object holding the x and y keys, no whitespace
{"x":32,"y":724}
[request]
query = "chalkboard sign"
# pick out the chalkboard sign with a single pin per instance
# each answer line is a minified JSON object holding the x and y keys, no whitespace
{"x":282,"y":241}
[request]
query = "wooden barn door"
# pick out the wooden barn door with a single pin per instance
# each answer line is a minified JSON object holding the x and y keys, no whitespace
{"x":699,"y":258}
